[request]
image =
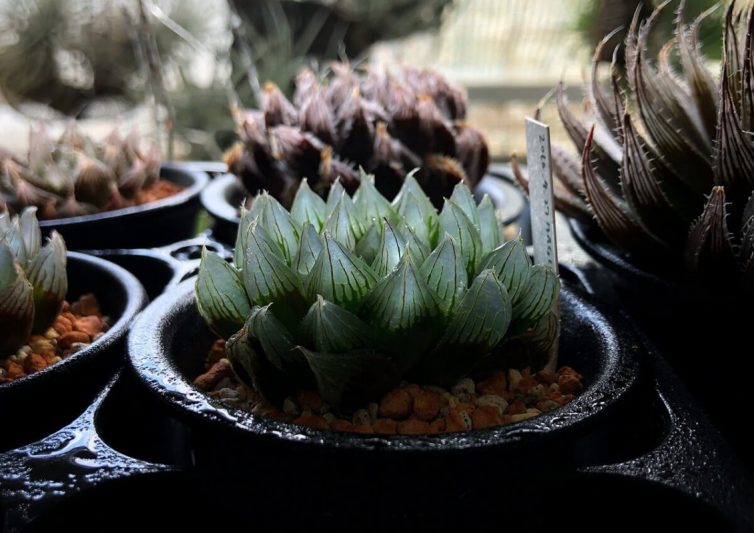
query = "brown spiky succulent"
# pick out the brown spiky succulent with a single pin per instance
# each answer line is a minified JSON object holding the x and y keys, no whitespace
{"x":74,"y":175}
{"x":386,"y":124}
{"x":666,"y":167}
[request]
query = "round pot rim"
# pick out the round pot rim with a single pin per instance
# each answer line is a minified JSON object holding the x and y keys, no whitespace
{"x":214,"y":200}
{"x":136,"y":299}
{"x":199,"y":181}
{"x":147,"y":346}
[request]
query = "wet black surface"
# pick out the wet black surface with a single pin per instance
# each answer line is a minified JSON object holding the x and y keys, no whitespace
{"x":704,"y":335}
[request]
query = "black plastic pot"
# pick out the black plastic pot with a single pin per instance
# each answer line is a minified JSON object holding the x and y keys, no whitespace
{"x":639,"y":452}
{"x":706,"y":337}
{"x":223,"y":197}
{"x":33,"y":406}
{"x":634,"y":449}
{"x":153,"y":224}
{"x":161,"y":269}
{"x":169,"y":342}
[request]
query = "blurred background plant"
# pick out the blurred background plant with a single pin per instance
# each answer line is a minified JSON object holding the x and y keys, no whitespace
{"x":597,"y":18}
{"x":87,"y":58}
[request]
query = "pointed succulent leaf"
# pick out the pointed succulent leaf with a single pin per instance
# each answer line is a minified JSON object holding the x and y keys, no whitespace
{"x":709,"y":248}
{"x":613,"y":216}
{"x":339,"y":276}
{"x":463,"y":198}
{"x":455,"y":222}
{"x":420,"y":214}
{"x":605,"y":105}
{"x":479,"y":324}
{"x":334,"y":196}
{"x":30,"y":232}
{"x":665,"y":114}
{"x":411,"y":187}
{"x":239,"y":248}
{"x":16,"y":304}
{"x":258,"y":205}
{"x":370,"y":204}
{"x":541,"y":292}
{"x":483,"y":315}
{"x":351,"y":378}
{"x":343,"y":223}
{"x":281,"y":227}
{"x":5,"y":225}
{"x":220,"y":295}
{"x":275,"y":341}
{"x":418,"y":247}
{"x":308,"y":250}
{"x":266,"y":277}
{"x":445,"y":273}
{"x":390,"y":251}
{"x":734,"y":164}
{"x":416,"y":219}
{"x":15,"y":241}
{"x":698,"y":77}
{"x":642,"y":183}
{"x":308,"y":207}
{"x":369,"y":244}
{"x":511,"y":265}
{"x":404,"y":310}
{"x":253,"y":368}
{"x":606,"y":152}
{"x":490,"y":229}
{"x":331,"y":328}
{"x":48,"y":277}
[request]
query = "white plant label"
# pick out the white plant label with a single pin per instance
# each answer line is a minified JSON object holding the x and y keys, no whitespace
{"x":539,"y":164}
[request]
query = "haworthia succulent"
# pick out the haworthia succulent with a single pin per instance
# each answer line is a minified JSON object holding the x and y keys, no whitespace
{"x":374,"y":295}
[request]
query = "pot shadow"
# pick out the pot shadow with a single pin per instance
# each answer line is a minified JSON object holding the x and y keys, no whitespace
{"x":581,"y":502}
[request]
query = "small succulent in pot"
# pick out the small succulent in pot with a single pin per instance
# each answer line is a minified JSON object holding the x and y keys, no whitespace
{"x":383,"y":123}
{"x":349,"y":296}
{"x":75,"y":175}
{"x":667,"y":168}
{"x":33,"y":279}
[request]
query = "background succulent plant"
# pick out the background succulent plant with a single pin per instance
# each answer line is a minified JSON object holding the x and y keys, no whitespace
{"x":383,"y":123}
{"x":33,"y":280}
{"x":74,"y":175}
{"x":351,"y":295}
{"x":667,"y":168}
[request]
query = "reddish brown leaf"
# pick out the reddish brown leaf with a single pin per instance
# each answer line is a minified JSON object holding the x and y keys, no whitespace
{"x":709,"y":249}
{"x":612,"y":214}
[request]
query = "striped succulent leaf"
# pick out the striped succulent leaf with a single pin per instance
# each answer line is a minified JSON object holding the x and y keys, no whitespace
{"x":33,"y":280}
{"x":352,"y":295}
{"x":677,"y":188}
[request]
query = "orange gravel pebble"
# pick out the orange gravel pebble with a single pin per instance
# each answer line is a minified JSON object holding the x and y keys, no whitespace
{"x":413,"y":426}
{"x":503,"y":397}
{"x":65,"y":341}
{"x":396,"y":404}
{"x":69,"y":327}
{"x":427,"y":404}
{"x":486,"y":416}
{"x":385,"y":426}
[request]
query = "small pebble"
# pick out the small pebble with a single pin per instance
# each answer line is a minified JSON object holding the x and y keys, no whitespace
{"x":361,"y":418}
{"x":495,"y":401}
{"x":290,"y":407}
{"x":504,"y":397}
{"x":463,"y":389}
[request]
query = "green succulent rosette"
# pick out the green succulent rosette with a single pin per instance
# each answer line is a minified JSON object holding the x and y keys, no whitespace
{"x":352,"y":295}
